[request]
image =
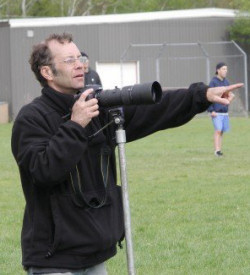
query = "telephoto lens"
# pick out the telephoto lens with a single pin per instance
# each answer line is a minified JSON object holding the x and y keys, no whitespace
{"x":138,"y":94}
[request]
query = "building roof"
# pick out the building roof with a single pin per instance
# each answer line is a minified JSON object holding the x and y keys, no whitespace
{"x":120,"y":18}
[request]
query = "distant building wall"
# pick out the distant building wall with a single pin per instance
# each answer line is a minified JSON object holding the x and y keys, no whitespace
{"x":104,"y":42}
{"x":5,"y":67}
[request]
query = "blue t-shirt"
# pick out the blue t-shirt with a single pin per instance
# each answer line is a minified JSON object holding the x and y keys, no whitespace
{"x":217,"y":107}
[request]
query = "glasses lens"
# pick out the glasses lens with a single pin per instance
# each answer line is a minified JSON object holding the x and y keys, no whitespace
{"x":70,"y":60}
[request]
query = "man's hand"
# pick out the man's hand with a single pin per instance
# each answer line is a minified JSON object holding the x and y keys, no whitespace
{"x":83,"y":111}
{"x":213,"y":114}
{"x":222,"y":95}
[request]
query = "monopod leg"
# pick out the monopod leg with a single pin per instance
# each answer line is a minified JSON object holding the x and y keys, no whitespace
{"x":121,"y":140}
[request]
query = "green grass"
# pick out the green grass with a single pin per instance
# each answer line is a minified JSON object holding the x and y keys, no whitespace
{"x":190,"y":211}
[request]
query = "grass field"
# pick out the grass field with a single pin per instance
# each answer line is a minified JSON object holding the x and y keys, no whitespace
{"x":190,"y":210}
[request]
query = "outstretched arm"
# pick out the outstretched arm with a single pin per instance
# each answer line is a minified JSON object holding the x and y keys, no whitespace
{"x":176,"y":108}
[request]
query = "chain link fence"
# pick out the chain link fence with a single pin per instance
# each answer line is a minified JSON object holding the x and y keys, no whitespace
{"x":177,"y":65}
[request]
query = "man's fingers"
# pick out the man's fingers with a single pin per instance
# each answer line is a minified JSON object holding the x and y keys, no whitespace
{"x":222,"y":100}
{"x":85,"y":94}
{"x":233,"y":87}
{"x":88,"y":102}
{"x":94,"y":107}
{"x":229,"y":89}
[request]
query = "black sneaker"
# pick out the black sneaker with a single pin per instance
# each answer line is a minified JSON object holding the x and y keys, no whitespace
{"x":218,"y":153}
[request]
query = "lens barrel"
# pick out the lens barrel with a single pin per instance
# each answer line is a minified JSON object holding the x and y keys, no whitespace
{"x":138,"y":94}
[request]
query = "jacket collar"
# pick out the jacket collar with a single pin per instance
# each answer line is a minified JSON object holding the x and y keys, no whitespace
{"x":60,"y":102}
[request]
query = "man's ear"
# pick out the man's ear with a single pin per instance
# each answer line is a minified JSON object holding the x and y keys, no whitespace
{"x":46,"y":72}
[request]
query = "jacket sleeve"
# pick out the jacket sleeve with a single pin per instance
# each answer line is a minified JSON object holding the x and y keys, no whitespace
{"x":44,"y":156}
{"x":99,"y":82}
{"x":176,"y":108}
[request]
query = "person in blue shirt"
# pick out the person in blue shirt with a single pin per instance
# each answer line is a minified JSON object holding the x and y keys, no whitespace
{"x":219,"y":112}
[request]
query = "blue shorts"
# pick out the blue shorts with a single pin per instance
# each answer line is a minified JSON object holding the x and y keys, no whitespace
{"x":221,"y":122}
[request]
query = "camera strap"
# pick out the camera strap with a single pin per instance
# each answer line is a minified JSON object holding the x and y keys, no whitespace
{"x":79,"y":197}
{"x":100,"y":130}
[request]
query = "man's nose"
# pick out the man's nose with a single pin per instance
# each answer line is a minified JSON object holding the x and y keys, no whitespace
{"x":78,"y":64}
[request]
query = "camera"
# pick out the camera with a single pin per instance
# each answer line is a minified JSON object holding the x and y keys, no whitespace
{"x":138,"y":94}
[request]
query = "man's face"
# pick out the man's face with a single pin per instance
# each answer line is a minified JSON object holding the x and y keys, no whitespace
{"x":69,"y":77}
{"x":86,"y":65}
{"x":222,"y":72}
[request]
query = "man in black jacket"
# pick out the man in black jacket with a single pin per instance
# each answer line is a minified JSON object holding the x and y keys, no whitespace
{"x":73,"y":217}
{"x":90,"y":76}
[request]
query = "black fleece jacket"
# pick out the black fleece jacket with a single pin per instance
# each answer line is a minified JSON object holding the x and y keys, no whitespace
{"x":73,"y":216}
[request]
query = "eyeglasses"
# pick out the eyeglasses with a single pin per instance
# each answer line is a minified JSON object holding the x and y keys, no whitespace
{"x":72,"y":60}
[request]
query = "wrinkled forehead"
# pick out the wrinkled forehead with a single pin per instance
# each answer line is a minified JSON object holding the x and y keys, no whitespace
{"x":63,"y":50}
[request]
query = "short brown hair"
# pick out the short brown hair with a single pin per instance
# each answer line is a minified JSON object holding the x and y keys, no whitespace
{"x":42,"y":56}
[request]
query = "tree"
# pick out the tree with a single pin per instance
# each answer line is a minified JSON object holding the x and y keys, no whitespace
{"x":49,"y":8}
{"x":240,"y":30}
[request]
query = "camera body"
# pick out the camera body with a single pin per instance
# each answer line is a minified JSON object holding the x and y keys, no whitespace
{"x":138,"y":94}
